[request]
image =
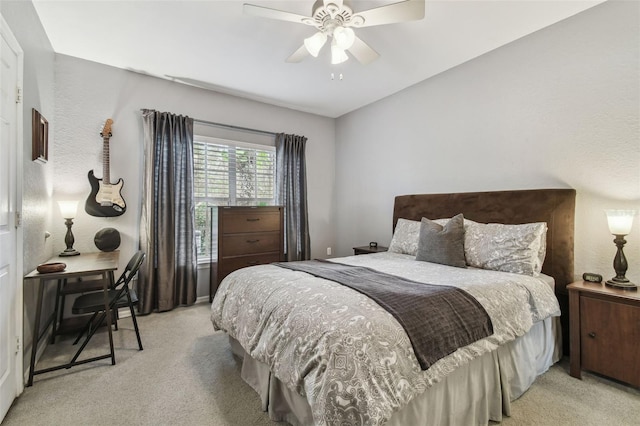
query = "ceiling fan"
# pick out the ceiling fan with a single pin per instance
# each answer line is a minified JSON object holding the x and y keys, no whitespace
{"x":335,"y":19}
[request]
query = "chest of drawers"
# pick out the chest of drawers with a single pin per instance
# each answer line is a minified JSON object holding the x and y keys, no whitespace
{"x":249,"y":236}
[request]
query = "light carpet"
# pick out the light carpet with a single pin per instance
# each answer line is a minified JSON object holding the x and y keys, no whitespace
{"x":186,"y":375}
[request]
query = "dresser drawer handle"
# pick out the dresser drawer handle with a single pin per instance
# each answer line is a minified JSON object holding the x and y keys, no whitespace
{"x":592,"y":335}
{"x":253,"y":262}
{"x":253,"y":241}
{"x":253,"y":219}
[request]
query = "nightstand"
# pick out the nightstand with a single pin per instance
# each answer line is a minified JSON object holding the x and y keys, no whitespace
{"x":368,"y":250}
{"x":605,"y":331}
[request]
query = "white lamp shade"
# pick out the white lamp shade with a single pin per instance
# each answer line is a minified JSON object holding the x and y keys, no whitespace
{"x":338,"y":55}
{"x":315,"y":43}
{"x":344,"y":37}
{"x":68,"y":209}
{"x":620,"y":221}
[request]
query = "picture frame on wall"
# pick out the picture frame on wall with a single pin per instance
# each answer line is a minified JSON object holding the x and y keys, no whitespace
{"x":40,"y":137}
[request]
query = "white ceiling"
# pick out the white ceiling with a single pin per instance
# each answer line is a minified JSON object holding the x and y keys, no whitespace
{"x":214,"y":45}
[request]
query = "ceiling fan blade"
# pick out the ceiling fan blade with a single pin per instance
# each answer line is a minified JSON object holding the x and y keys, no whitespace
{"x":281,"y":15}
{"x":408,"y":10}
{"x":362,"y":52}
{"x":298,"y":55}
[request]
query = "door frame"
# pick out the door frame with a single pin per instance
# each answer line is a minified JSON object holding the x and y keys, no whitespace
{"x":6,"y":32}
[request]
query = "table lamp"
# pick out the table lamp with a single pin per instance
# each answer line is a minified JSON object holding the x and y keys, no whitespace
{"x":68,"y":210}
{"x":620,"y":222}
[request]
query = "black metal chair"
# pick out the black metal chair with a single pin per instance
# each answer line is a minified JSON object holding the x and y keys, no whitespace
{"x":119,"y":296}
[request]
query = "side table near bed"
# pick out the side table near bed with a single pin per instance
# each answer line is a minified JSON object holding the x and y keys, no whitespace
{"x":605,"y":331}
{"x":369,"y":250}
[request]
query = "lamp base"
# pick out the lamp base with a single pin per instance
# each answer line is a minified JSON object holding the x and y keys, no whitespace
{"x":69,"y":252}
{"x":622,"y":285}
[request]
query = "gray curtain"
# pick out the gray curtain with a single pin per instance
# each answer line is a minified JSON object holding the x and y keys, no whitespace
{"x":168,"y":278}
{"x":291,"y":192}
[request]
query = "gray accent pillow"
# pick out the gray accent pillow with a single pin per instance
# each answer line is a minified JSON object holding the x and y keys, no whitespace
{"x":442,"y":244}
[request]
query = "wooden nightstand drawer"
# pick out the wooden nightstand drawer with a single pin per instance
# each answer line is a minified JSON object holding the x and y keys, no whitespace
{"x":259,"y":242}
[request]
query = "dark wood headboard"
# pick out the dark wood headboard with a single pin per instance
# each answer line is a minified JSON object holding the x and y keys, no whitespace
{"x":556,"y":207}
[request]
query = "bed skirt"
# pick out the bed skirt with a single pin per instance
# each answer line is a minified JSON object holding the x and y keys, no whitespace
{"x":475,"y":393}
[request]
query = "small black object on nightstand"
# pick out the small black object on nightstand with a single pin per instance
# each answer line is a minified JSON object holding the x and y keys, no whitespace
{"x":369,"y":249}
{"x":592,"y":277}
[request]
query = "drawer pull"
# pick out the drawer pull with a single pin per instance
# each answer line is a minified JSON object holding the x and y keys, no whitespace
{"x":592,"y":335}
{"x":253,"y":241}
{"x":253,"y":219}
{"x":253,"y":262}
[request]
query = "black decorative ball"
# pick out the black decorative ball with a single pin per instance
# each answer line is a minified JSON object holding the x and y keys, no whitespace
{"x":107,"y":239}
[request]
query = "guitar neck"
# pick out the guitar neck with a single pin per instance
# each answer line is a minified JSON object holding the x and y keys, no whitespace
{"x":106,"y":178}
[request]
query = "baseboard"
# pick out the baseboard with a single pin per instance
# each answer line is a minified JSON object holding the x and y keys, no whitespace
{"x":203,"y":299}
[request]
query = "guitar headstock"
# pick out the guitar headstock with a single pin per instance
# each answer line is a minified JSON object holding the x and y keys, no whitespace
{"x":106,"y":129}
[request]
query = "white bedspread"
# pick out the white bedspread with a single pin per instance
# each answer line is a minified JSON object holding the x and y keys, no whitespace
{"x":349,"y":357}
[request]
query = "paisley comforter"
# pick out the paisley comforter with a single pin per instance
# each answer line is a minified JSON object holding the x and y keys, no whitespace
{"x":348,"y":356}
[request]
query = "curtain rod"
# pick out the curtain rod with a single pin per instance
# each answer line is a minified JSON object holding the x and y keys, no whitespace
{"x":226,"y":126}
{"x":229,"y":126}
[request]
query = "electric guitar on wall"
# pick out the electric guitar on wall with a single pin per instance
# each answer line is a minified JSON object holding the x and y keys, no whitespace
{"x":105,"y":199}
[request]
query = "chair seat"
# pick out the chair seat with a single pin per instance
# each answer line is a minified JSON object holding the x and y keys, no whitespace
{"x":89,"y":303}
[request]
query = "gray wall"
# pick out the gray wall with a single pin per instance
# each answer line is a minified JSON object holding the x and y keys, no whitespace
{"x":38,"y":85}
{"x":87,"y":93}
{"x":558,"y":108}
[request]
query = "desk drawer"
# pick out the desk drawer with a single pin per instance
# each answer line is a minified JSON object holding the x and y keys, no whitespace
{"x":232,"y":263}
{"x":259,"y":242}
{"x":247,"y":221}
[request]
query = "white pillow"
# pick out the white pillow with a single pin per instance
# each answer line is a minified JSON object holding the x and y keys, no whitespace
{"x":509,"y":248}
{"x":407,"y":234}
{"x":405,"y":237}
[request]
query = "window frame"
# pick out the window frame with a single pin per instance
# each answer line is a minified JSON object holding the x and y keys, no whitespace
{"x":232,"y":185}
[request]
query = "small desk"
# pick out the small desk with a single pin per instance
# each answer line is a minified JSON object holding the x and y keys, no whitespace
{"x":88,"y":264}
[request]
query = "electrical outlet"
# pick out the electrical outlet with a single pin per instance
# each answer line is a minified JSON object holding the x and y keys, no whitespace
{"x":328,"y":251}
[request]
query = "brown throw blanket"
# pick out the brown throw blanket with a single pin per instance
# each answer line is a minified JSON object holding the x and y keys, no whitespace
{"x":438,"y":319}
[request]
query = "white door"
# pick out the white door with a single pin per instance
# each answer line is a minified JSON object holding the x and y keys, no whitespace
{"x":11,"y":379}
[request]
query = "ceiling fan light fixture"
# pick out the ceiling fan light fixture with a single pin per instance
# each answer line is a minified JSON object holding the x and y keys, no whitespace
{"x":338,"y":55}
{"x":344,"y":37}
{"x":315,"y":43}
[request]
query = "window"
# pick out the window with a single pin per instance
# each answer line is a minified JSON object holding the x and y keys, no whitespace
{"x":228,"y":173}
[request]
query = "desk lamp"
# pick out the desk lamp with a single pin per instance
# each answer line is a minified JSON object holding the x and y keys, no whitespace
{"x":620,"y":222}
{"x":68,"y":210}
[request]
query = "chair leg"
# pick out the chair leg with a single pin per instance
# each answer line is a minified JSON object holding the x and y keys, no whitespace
{"x":114,"y":319}
{"x":87,"y":328}
{"x":90,"y":334}
{"x":135,"y":322}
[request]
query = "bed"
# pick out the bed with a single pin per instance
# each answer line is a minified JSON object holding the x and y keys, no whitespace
{"x":319,"y":352}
